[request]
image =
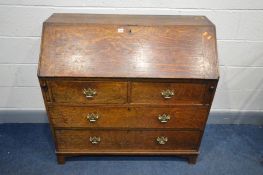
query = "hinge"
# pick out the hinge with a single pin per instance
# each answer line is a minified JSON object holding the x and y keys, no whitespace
{"x":43,"y":86}
{"x":211,"y":88}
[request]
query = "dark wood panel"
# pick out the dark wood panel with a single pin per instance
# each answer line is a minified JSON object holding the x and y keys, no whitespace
{"x":72,"y":92}
{"x":138,"y":51}
{"x":144,"y":20}
{"x":125,"y":117}
{"x":184,"y":93}
{"x":79,"y":140}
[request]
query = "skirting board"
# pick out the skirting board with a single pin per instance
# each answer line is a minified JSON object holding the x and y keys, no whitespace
{"x":215,"y":117}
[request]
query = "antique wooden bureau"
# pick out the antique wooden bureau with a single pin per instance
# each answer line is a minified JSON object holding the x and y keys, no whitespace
{"x":128,"y":84}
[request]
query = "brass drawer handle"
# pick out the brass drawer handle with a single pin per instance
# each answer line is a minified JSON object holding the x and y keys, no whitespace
{"x":92,"y":117}
{"x":89,"y":93}
{"x":162,"y":140}
{"x":94,"y":140}
{"x":167,"y":93}
{"x":164,"y":118}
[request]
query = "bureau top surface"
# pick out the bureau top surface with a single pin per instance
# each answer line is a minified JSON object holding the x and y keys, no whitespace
{"x":128,"y":46}
{"x":145,"y":20}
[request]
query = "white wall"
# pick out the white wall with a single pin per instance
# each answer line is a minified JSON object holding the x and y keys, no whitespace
{"x":239,"y":32}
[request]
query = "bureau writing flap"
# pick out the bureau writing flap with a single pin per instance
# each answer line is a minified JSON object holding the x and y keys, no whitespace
{"x":128,"y":47}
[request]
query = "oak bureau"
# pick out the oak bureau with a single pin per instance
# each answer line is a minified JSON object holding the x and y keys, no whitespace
{"x":128,"y":84}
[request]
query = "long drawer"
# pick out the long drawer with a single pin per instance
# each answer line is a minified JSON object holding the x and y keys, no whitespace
{"x":124,"y":117}
{"x":125,"y":140}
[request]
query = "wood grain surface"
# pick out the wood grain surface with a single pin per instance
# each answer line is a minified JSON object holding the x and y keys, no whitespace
{"x":111,"y":50}
{"x":126,"y":117}
{"x":142,"y":20}
{"x":78,"y":140}
{"x":128,"y":60}
{"x":184,"y":93}
{"x":72,"y":92}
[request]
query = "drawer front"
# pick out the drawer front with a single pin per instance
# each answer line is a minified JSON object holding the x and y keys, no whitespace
{"x":123,"y":117}
{"x":125,"y":140}
{"x":167,"y":93}
{"x":88,"y":92}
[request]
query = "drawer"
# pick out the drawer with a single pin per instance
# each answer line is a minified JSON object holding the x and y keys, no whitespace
{"x":123,"y":117}
{"x":88,"y":92}
{"x":125,"y":140}
{"x":167,"y":93}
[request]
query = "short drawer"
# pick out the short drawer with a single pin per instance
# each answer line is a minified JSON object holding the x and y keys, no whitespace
{"x":125,"y":140}
{"x":167,"y":93}
{"x":88,"y":92}
{"x":124,"y":117}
